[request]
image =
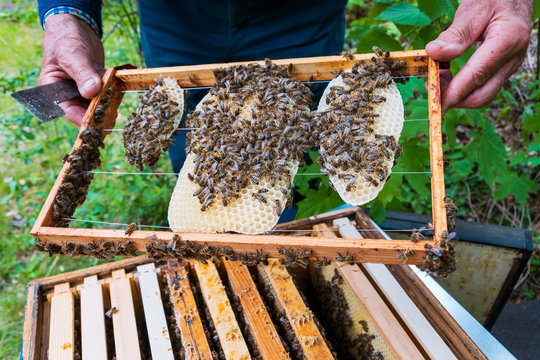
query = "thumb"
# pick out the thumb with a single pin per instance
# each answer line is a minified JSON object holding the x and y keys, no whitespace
{"x":81,"y":69}
{"x":467,"y":27}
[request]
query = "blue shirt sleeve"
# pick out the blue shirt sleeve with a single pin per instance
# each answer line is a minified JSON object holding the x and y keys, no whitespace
{"x":89,"y":11}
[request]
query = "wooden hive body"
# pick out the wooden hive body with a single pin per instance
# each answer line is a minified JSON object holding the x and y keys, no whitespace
{"x":137,"y":308}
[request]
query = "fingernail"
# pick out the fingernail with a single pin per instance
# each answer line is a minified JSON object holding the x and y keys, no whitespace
{"x":88,"y":86}
{"x":440,"y":43}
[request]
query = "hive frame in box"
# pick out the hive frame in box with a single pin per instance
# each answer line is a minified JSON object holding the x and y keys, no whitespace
{"x":303,"y":69}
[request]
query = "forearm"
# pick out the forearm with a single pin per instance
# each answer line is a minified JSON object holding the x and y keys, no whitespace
{"x":89,"y":11}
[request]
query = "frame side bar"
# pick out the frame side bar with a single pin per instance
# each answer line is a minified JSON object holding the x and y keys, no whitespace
{"x":45,"y":216}
{"x":436,"y":151}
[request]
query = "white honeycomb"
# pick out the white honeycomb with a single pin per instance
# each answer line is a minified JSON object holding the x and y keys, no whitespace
{"x":245,"y":215}
{"x":389,"y":122}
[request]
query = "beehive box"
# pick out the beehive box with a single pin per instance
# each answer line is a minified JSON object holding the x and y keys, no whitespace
{"x":139,"y":308}
{"x":115,"y":81}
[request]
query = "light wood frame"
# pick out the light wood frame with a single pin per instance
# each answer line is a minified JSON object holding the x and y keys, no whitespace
{"x":304,"y":69}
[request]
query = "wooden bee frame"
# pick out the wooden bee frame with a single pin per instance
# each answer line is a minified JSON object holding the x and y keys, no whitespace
{"x":304,"y":69}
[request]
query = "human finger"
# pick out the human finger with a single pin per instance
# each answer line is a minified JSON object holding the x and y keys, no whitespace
{"x":74,"y":110}
{"x":482,"y":96}
{"x":470,"y":21}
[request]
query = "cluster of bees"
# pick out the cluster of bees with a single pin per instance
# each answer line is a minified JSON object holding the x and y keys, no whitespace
{"x":76,"y":181}
{"x":147,"y":132}
{"x":177,"y":249}
{"x":254,"y":122}
{"x":346,"y":134}
{"x":334,"y":313}
{"x":295,"y":258}
{"x":440,"y":260}
{"x":101,"y":250}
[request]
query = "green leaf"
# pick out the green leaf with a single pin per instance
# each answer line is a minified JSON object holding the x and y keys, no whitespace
{"x":460,"y":169}
{"x":531,"y":118}
{"x":376,"y":9}
{"x":415,"y":158}
{"x":376,"y":37}
{"x":302,"y":182}
{"x":415,"y":110}
{"x":391,"y":190}
{"x":536,"y":10}
{"x":429,"y":32}
{"x":407,"y":90}
{"x":317,"y":201}
{"x":512,"y":183}
{"x":528,"y":293}
{"x":404,"y":14}
{"x":436,"y":8}
{"x":518,"y":158}
{"x":487,"y":150}
{"x":377,"y":211}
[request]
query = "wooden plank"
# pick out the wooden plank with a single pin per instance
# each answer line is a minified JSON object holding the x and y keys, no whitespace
{"x":299,"y":315}
{"x":78,"y":276}
{"x":126,"y":338}
{"x":62,"y":325}
{"x":187,"y":316}
{"x":45,"y":327}
{"x":154,"y":314}
{"x":93,"y":336}
{"x":441,"y":320}
{"x":45,"y":216}
{"x":402,"y":304}
{"x":319,"y":68}
{"x":216,"y":300}
{"x":31,"y":328}
{"x":258,"y":318}
{"x":436,"y":151}
{"x":358,"y":315}
{"x":307,"y":223}
{"x":381,"y":314}
{"x":364,"y":250}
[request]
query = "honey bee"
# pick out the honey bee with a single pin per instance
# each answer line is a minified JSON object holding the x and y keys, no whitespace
{"x":194,"y":79}
{"x":347,"y":258}
{"x":277,"y":207}
{"x":347,"y":55}
{"x":111,"y":312}
{"x":404,"y":255}
{"x":417,"y":236}
{"x":259,"y":197}
{"x":131,"y":228}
